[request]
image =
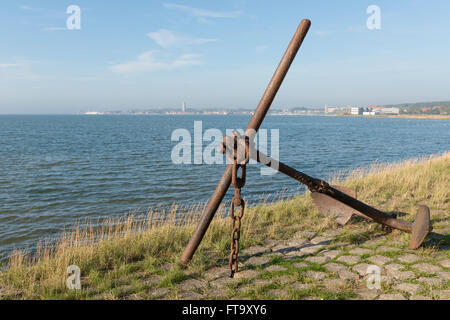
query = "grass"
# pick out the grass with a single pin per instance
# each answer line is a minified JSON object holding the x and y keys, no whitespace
{"x":122,"y":258}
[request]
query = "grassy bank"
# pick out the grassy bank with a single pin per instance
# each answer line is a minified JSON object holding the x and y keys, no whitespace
{"x":130,"y":258}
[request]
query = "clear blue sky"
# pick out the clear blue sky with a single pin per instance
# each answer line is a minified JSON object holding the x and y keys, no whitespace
{"x":218,"y":54}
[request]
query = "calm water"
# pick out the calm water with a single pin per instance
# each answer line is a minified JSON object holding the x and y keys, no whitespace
{"x":55,"y":170}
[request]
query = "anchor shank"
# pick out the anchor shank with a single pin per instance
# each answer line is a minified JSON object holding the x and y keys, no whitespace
{"x":316,"y":185}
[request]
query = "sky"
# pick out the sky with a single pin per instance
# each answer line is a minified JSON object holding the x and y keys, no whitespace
{"x":218,"y":54}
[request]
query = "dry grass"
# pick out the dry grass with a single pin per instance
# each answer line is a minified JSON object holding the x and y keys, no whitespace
{"x":129,"y":250}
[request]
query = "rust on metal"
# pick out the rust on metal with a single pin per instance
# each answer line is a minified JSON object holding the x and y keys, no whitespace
{"x":336,"y":200}
{"x":237,"y":201}
{"x":329,"y":206}
{"x":341,"y":212}
{"x":253,"y":126}
{"x":421,"y":227}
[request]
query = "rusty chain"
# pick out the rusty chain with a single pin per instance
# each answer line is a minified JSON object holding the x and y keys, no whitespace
{"x":236,"y":202}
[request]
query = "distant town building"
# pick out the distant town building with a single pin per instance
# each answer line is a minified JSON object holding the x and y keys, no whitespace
{"x":183,"y":107}
{"x":356,"y":110}
{"x":390,"y":111}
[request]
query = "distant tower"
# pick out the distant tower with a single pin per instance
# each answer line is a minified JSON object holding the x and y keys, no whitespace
{"x":183,"y":107}
{"x":326,"y":108}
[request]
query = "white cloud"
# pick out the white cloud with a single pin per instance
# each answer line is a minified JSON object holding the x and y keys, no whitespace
{"x":18,"y":70}
{"x":55,"y":29}
{"x":10,"y":65}
{"x":166,"y":38}
{"x":200,"y":13}
{"x":324,"y":33}
{"x":261,"y":48}
{"x":148,"y":62}
{"x":27,"y":8}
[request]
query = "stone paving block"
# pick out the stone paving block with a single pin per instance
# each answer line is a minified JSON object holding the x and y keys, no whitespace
{"x":316,"y":275}
{"x":334,"y":285}
{"x":297,"y":242}
{"x":367,"y":294}
{"x":397,"y":243}
{"x":379,"y":260}
{"x":393,"y":267}
{"x":361,"y":268}
{"x":426,"y":267}
{"x":279,"y":293}
{"x":340,"y":245}
{"x":445,"y":263}
{"x":443,"y":275}
{"x":332,"y":232}
{"x":361,"y":251}
{"x":222,"y":282}
{"x":443,"y":294}
{"x":258,"y":261}
{"x":300,"y":286}
{"x":305,"y":234}
{"x":216,"y":293}
{"x":272,"y":243}
{"x":261,"y":282}
{"x":321,"y":240}
{"x":311,"y":248}
{"x":294,"y":254}
{"x":192,"y":284}
{"x":167,"y":266}
{"x":408,"y":287}
{"x":405,"y":275}
{"x":300,"y":265}
{"x":334,"y":267}
{"x":347,"y":275}
{"x":280,"y":248}
{"x":419,"y":298}
{"x":374,"y":242}
{"x":351,"y":260}
{"x":283,"y":279}
{"x":318,"y":259}
{"x":255,"y":250}
{"x":216,"y":273}
{"x":248,"y":274}
{"x":152,"y":280}
{"x":190,"y":295}
{"x":387,"y":249}
{"x":244,"y":289}
{"x":391,"y":296}
{"x":284,"y":249}
{"x":158,"y":293}
{"x":331,"y":253}
{"x":409,"y":258}
{"x":431,"y":281}
{"x":274,"y":268}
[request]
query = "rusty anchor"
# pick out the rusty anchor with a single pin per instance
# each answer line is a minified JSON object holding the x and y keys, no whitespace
{"x":336,"y":200}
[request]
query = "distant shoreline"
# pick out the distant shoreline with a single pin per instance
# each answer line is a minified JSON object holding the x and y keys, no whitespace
{"x":403,"y":116}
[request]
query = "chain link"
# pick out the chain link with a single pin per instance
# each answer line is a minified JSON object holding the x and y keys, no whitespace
{"x":236,"y":202}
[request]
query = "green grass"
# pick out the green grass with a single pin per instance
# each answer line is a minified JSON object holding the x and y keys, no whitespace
{"x":116,"y":258}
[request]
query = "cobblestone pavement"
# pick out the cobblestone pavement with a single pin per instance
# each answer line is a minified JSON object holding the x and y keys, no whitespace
{"x":325,"y":266}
